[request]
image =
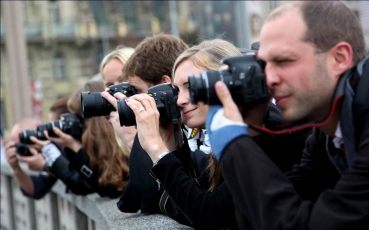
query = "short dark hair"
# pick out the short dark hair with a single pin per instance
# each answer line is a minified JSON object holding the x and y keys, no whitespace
{"x":328,"y":23}
{"x":154,"y":57}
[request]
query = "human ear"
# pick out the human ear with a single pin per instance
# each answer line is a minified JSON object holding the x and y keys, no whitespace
{"x":342,"y":55}
{"x":166,"y":79}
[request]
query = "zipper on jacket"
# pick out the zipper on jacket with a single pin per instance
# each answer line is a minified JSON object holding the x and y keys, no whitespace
{"x":156,"y":179}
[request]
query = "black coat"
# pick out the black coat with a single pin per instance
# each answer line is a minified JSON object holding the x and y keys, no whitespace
{"x":75,"y":172}
{"x":311,"y":199}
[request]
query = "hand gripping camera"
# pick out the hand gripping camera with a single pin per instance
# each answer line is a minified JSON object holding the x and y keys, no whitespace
{"x":166,"y":101}
{"x":245,"y":80}
{"x":70,"y":124}
{"x":93,"y":105}
{"x":24,"y":136}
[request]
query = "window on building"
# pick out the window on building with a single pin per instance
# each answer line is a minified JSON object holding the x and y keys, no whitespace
{"x":59,"y":67}
{"x":159,"y":9}
{"x":54,"y":12}
{"x":128,"y":9}
{"x":85,"y":55}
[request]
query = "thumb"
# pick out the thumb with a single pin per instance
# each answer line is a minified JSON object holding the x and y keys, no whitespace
{"x":112,"y":100}
{"x":225,"y":97}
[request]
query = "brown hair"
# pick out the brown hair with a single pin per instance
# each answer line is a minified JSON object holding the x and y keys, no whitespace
{"x":328,"y":23}
{"x":154,"y":57}
{"x":208,"y":55}
{"x":100,"y":144}
{"x":60,"y":106}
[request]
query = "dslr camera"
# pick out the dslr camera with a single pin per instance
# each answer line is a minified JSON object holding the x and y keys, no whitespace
{"x":70,"y":124}
{"x":245,"y":80}
{"x":94,"y":105}
{"x":166,"y":101}
{"x":24,"y":136}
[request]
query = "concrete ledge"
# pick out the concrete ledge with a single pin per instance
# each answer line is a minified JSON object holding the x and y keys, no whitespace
{"x":104,"y":212}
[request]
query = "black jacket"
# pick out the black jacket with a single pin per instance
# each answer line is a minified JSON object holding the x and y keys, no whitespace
{"x":74,"y":170}
{"x":143,"y":192}
{"x":42,"y":185}
{"x":216,"y":209}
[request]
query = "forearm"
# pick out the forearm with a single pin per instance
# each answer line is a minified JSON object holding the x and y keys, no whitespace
{"x":25,"y":181}
{"x":203,"y":209}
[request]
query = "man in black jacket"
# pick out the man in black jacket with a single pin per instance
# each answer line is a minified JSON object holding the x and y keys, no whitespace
{"x":315,"y":70}
{"x":150,"y":65}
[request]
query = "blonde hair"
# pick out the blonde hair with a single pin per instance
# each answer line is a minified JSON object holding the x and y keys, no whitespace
{"x":207,"y":54}
{"x":121,"y":53}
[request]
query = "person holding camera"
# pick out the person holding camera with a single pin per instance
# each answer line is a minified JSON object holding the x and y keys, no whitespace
{"x":206,"y":201}
{"x":34,"y":162}
{"x":111,"y":70}
{"x":149,"y":66}
{"x":89,"y":164}
{"x":317,"y":72}
{"x":32,"y":186}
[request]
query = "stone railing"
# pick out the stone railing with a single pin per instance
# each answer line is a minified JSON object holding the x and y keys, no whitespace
{"x":61,"y":211}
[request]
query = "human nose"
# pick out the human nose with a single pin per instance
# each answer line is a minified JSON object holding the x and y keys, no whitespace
{"x":183,"y":98}
{"x":272,"y":77}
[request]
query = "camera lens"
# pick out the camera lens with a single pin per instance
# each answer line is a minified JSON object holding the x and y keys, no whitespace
{"x":126,"y":115}
{"x":93,"y":105}
{"x":51,"y":125}
{"x":25,"y":135}
{"x":202,"y":87}
{"x":40,"y":132}
{"x":23,"y":149}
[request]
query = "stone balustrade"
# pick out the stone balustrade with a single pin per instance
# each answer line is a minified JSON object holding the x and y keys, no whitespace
{"x":64,"y":211}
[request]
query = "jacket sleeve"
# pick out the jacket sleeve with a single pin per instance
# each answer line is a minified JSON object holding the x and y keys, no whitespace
{"x":128,"y":202}
{"x":42,"y":185}
{"x":270,"y":201}
{"x":206,"y":210}
{"x":77,"y":183}
{"x":81,"y":163}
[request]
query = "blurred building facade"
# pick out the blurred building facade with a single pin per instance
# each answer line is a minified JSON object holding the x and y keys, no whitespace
{"x":66,"y":40}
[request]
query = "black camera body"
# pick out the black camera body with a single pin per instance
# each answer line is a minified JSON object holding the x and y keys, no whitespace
{"x":166,"y":101}
{"x":94,"y":105}
{"x":22,"y":149}
{"x":70,"y":124}
{"x":245,"y":80}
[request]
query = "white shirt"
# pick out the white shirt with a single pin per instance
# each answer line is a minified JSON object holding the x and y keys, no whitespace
{"x":338,"y":138}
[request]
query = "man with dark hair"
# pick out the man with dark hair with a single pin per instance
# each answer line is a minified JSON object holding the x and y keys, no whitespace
{"x":150,"y":64}
{"x":318,"y":74}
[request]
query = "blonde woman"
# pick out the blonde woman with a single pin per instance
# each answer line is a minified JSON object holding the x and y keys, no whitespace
{"x":111,"y":70}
